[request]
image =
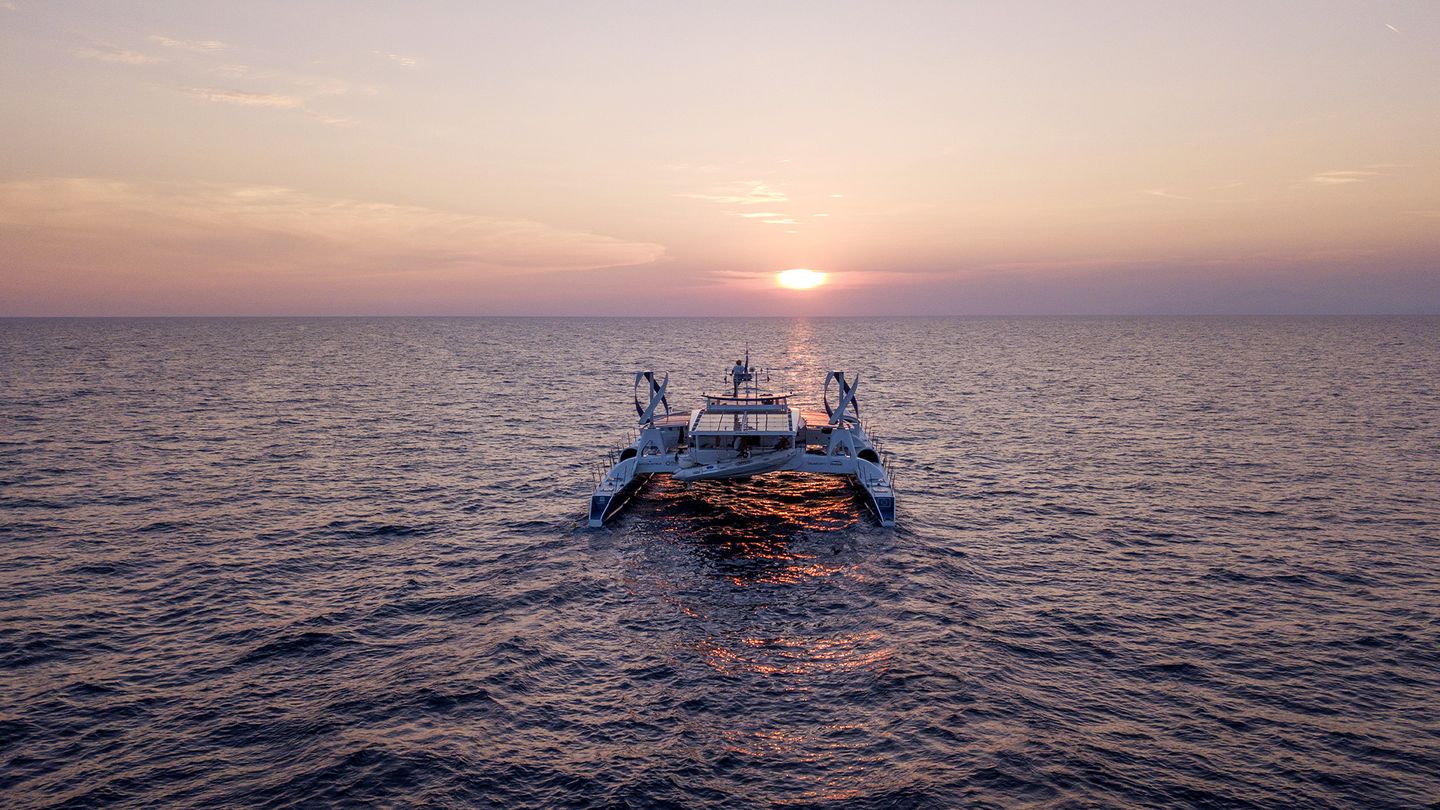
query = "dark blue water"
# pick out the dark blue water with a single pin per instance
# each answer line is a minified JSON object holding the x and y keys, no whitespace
{"x":1140,"y":563}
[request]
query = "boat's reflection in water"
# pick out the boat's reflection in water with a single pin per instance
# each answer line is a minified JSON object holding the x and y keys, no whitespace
{"x":769,"y":582}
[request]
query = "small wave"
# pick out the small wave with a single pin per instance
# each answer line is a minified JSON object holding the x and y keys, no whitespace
{"x":309,"y":644}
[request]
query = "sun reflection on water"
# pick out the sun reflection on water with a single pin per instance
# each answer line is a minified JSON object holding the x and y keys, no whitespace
{"x":757,"y":580}
{"x":795,"y":655}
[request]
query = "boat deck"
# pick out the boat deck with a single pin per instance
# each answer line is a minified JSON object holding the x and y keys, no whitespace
{"x":674,"y":420}
{"x":708,"y":424}
{"x":682,"y":419}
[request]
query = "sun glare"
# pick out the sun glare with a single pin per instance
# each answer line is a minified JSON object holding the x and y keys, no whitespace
{"x":800,"y":279}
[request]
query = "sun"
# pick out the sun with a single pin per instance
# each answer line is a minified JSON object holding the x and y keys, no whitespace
{"x":800,"y":279}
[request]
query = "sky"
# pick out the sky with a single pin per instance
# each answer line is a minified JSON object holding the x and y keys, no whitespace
{"x":617,"y":158}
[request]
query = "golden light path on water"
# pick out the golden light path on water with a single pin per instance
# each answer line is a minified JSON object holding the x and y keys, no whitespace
{"x":743,"y":544}
{"x":800,"y":278}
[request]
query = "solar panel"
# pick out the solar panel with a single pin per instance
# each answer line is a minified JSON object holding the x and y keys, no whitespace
{"x":744,"y":423}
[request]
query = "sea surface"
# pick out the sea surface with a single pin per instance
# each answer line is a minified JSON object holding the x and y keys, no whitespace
{"x":341,"y":562}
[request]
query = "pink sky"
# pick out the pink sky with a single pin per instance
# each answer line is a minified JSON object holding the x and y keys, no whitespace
{"x":625,"y":158}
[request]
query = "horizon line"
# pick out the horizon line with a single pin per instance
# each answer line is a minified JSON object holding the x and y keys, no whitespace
{"x":1416,"y":314}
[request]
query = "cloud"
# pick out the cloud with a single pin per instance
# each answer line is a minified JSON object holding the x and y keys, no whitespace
{"x":399,"y":59}
{"x":92,"y":207}
{"x":274,"y":89}
{"x":321,"y":85}
{"x":118,"y":55}
{"x":1337,"y":178}
{"x":194,"y":46}
{"x":246,"y":99}
{"x":1156,"y":192}
{"x":198,"y":64}
{"x":278,"y":101}
{"x":182,"y":242}
{"x":740,"y":192}
{"x":309,"y":85}
{"x":767,"y":217}
{"x":233,"y":70}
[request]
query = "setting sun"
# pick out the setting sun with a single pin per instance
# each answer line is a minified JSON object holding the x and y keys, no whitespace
{"x":800,"y":279}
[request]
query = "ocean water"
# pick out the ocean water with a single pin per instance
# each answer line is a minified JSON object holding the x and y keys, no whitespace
{"x":333,"y":562}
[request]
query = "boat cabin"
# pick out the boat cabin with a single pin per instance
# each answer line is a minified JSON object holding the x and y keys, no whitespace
{"x":747,"y":403}
{"x":731,"y":426}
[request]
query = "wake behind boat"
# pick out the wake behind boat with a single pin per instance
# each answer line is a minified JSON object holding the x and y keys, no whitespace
{"x":744,"y":433}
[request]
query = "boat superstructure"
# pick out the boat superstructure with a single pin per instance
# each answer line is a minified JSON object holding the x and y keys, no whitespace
{"x":741,"y":433}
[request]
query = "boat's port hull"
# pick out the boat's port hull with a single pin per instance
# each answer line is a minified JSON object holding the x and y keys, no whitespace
{"x":604,"y":506}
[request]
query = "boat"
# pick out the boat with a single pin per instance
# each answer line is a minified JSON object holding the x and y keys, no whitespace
{"x":741,"y":433}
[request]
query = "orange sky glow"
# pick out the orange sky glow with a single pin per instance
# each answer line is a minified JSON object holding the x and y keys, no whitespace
{"x":170,"y":158}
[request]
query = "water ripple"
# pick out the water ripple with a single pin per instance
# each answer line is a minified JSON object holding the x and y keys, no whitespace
{"x":342,"y":561}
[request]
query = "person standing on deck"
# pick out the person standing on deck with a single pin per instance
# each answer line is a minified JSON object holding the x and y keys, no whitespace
{"x":738,"y":374}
